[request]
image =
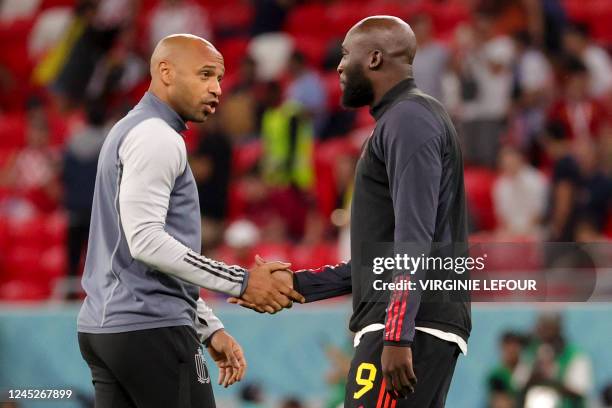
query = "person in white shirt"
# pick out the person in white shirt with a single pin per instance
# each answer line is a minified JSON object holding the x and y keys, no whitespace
{"x":519,"y":195}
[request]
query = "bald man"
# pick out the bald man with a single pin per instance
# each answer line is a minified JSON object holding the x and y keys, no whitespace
{"x":142,"y":324}
{"x":408,"y":192}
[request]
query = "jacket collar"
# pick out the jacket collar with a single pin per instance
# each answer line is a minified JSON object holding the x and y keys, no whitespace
{"x":164,"y":111}
{"x":391,"y":96}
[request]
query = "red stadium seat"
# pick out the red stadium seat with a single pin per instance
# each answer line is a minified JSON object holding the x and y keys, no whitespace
{"x":23,"y":290}
{"x":446,"y":17}
{"x":234,"y":50}
{"x":46,"y":4}
{"x":53,"y":263}
{"x":235,"y":16}
{"x":12,"y":131}
{"x":478,"y":186}
{"x":309,"y":18}
{"x":54,"y":228}
{"x":334,"y":93}
{"x":273,"y":251}
{"x":245,"y":157}
{"x":343,"y":16}
{"x":314,"y":48}
{"x":601,"y":15}
{"x":314,"y":256}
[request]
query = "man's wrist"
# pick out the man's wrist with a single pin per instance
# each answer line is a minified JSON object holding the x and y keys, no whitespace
{"x":401,"y":343}
{"x":209,"y":339}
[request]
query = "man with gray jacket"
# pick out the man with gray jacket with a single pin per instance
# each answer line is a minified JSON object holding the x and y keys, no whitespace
{"x":142,"y":322}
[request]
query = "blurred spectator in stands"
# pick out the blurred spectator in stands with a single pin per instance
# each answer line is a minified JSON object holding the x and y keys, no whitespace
{"x":51,"y":48}
{"x":51,"y":26}
{"x":271,"y":52}
{"x":339,"y":362}
{"x":502,"y":383}
{"x":588,"y":231}
{"x":96,"y":40}
{"x":178,"y":16}
{"x":559,"y":372}
{"x":605,"y":146}
{"x":242,"y":109}
{"x":32,"y":173}
{"x":269,"y":15}
{"x":247,"y":79}
{"x":292,"y":402}
{"x":596,"y":195}
{"x":431,"y":61}
{"x":565,"y":183}
{"x":79,"y":177}
{"x":17,"y":9}
{"x":554,"y":20}
{"x":482,"y":64}
{"x":575,"y":109}
{"x":576,"y":43}
{"x":307,"y":89}
{"x":211,"y":166}
{"x":278,"y":213}
{"x":120,"y":71}
{"x":333,"y":55}
{"x":287,"y":139}
{"x":240,"y":237}
{"x":519,"y":195}
{"x":533,"y":84}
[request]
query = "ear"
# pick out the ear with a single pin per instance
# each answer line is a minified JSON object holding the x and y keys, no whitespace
{"x":166,"y":73}
{"x":376,"y":59}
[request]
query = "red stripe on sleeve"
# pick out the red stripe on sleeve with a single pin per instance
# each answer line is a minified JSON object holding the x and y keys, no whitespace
{"x":402,"y":313}
{"x":390,"y":316}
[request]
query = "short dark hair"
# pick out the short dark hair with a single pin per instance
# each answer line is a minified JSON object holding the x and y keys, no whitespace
{"x":556,"y":130}
{"x":512,"y":337}
{"x":524,"y":38}
{"x":578,"y":28}
{"x":298,"y":57}
{"x":574,"y":66}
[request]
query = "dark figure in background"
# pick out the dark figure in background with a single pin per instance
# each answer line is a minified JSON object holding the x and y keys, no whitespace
{"x":211,"y":166}
{"x":579,"y":186}
{"x":560,"y":372}
{"x":95,"y":42}
{"x":80,"y":162}
{"x":502,"y":380}
{"x":269,"y":15}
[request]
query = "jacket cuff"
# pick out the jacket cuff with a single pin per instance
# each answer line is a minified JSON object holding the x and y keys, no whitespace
{"x":401,"y":343}
{"x":245,"y":283}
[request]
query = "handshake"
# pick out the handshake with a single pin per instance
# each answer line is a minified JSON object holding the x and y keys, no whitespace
{"x":269,"y":289}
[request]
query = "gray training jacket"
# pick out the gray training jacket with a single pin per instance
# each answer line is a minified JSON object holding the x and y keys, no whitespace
{"x":143,"y":268}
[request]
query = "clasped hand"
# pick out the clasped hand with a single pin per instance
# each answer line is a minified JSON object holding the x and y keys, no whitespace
{"x":269,"y":289}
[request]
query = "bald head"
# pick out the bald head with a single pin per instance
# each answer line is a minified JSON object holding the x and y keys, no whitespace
{"x":178,"y":48}
{"x":186,"y":71}
{"x":377,"y":53}
{"x":390,"y":34}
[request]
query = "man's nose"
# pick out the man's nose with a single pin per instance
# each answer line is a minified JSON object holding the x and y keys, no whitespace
{"x":215,"y":89}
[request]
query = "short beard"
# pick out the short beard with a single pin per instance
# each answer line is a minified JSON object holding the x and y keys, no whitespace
{"x":358,"y":89}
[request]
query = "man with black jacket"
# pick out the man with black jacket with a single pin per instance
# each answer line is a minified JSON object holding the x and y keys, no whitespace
{"x":409,"y":192}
